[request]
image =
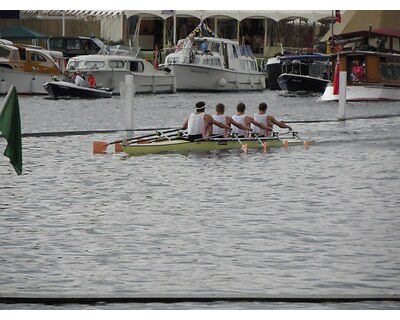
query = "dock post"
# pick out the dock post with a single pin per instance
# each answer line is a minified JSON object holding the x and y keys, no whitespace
{"x":342,"y":95}
{"x":129,"y":98}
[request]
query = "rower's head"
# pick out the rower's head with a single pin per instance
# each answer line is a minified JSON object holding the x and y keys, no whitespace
{"x":262,"y":107}
{"x":200,"y":106}
{"x":241,"y":107}
{"x":220,"y":108}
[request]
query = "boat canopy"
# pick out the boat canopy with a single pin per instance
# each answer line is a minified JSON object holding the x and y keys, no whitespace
{"x":315,"y":57}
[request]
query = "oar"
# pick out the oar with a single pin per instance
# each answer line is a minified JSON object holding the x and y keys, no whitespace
{"x":306,"y":143}
{"x":245,"y":147}
{"x":264,"y":144}
{"x":100,"y":146}
{"x":155,"y":137}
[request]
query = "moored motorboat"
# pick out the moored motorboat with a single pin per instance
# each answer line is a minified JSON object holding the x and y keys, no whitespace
{"x":182,"y":145}
{"x":274,"y":70}
{"x":27,"y":67}
{"x":305,"y":73}
{"x":110,"y":71}
{"x":213,"y":64}
{"x":61,"y":89}
{"x":375,"y":56}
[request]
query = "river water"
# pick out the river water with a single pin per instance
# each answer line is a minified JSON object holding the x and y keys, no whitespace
{"x":317,"y":222}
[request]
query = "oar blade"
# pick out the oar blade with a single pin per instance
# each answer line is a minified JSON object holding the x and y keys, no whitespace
{"x":100,"y":147}
{"x":286,"y":144}
{"x":117,"y":147}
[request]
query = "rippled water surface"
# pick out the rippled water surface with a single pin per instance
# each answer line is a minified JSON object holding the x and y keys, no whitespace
{"x":322,"y":221}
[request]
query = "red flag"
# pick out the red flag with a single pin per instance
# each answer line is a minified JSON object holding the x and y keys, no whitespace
{"x":338,"y":17}
{"x":336,"y":78}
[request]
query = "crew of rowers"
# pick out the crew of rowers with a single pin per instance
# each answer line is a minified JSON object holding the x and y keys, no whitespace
{"x":201,"y":125}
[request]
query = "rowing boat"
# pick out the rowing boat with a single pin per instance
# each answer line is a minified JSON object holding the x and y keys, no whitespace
{"x":182,"y":145}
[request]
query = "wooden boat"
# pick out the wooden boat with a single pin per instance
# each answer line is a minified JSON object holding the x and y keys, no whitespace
{"x":223,"y":65}
{"x":27,"y":67}
{"x":378,"y":52}
{"x":182,"y":145}
{"x":62,"y":89}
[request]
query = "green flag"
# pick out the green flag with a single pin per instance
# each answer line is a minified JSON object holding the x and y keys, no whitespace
{"x":10,"y":128}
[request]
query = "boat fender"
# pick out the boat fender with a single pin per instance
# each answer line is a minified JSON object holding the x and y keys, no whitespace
{"x":262,"y":81}
{"x":222,"y":82}
{"x":251,"y":83}
{"x":237,"y":84}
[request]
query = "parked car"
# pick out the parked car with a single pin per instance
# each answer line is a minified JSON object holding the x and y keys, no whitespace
{"x":74,"y":46}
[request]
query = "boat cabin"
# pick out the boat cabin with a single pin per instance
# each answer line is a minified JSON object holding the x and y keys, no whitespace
{"x":370,"y":56}
{"x":106,"y":63}
{"x":313,"y":65}
{"x":29,"y":58}
{"x":214,"y":52}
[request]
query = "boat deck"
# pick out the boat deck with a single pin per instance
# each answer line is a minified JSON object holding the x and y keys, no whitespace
{"x":183,"y":145}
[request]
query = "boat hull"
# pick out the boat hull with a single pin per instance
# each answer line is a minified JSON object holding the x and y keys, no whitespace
{"x":294,"y":82}
{"x":61,"y":89}
{"x":162,"y":83}
{"x":274,"y":70}
{"x":191,"y":77}
{"x":24,"y":82}
{"x":365,"y":92}
{"x":181,"y":145}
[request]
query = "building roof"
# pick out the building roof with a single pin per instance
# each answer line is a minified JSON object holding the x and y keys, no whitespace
{"x":277,"y":15}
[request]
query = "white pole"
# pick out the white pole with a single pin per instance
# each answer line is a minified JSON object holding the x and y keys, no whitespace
{"x":342,"y":94}
{"x":129,"y":99}
{"x":63,"y":23}
{"x":175,"y":27}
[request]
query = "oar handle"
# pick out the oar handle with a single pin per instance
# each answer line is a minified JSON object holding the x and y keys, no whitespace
{"x":145,"y":136}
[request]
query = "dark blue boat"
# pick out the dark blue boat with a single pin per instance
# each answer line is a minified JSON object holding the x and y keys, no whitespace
{"x":62,"y":89}
{"x":305,"y":73}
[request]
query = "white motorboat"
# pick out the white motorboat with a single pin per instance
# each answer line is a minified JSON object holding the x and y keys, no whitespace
{"x":110,"y":71}
{"x":27,"y":67}
{"x":378,"y":55}
{"x":223,"y":65}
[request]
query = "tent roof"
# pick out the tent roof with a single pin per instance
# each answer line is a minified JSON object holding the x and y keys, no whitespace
{"x":277,"y":15}
{"x":374,"y":32}
{"x":235,"y":14}
{"x":353,"y":21}
{"x":20,"y":32}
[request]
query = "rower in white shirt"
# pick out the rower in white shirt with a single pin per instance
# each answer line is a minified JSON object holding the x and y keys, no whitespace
{"x":241,"y":118}
{"x":267,"y":120}
{"x":221,"y":117}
